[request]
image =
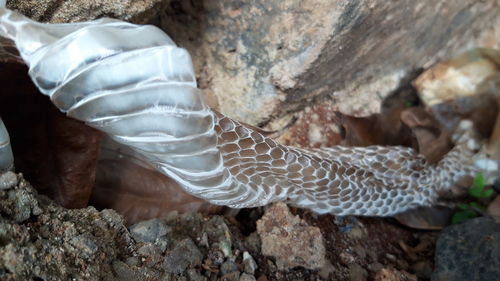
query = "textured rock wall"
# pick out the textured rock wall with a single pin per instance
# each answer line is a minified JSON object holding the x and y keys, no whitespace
{"x":57,"y":11}
{"x":263,"y":58}
{"x":267,"y":57}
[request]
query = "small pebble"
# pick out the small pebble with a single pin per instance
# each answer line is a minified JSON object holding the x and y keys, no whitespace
{"x":149,"y":231}
{"x":228,"y":267}
{"x":247,"y":277}
{"x":249,"y":262}
{"x":233,"y":276}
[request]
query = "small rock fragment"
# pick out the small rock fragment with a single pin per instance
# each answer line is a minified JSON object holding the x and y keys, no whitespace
{"x":391,"y":274}
{"x":148,"y":231}
{"x":252,"y":242}
{"x":193,"y":275}
{"x":357,"y":272}
{"x":290,"y":240}
{"x":8,"y":180}
{"x":246,"y":277}
{"x":184,"y":255}
{"x":464,"y":75}
{"x":228,"y":267}
{"x":423,"y":269}
{"x":85,"y":245}
{"x":233,"y":276}
{"x":24,"y":203}
{"x":126,"y":273}
{"x":249,"y":263}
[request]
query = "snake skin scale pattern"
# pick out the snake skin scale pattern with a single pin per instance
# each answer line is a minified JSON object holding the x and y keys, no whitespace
{"x":143,"y":94}
{"x":374,"y":180}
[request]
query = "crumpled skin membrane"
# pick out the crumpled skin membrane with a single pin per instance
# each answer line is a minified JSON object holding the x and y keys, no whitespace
{"x":6,"y":157}
{"x":133,"y":82}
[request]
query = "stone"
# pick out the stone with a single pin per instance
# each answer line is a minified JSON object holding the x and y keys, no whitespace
{"x":268,"y":57}
{"x":43,"y":241}
{"x":184,"y":254}
{"x":55,"y":11}
{"x":228,"y":267}
{"x":194,"y":275}
{"x":85,"y":245}
{"x":290,"y":240}
{"x":233,"y":276}
{"x":8,"y":180}
{"x":249,"y":263}
{"x":149,"y":231}
{"x":472,"y":73}
{"x":391,"y":274}
{"x":423,"y":269}
{"x":252,"y":242}
{"x":357,"y":272}
{"x":247,"y":277}
{"x":19,"y":203}
{"x":127,"y":273}
{"x":468,"y":251}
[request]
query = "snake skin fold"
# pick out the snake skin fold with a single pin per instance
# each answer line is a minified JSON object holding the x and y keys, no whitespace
{"x":133,"y":83}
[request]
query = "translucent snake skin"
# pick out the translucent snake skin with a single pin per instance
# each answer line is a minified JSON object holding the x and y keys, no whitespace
{"x":135,"y":84}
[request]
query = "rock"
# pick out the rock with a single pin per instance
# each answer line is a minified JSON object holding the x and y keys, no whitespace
{"x":233,"y":276}
{"x":357,"y":272}
{"x":228,"y":267}
{"x":8,"y":180}
{"x":249,"y":263}
{"x":290,"y":240}
{"x":468,"y":251}
{"x":149,"y":231}
{"x":80,"y":10}
{"x":56,"y":243}
{"x":23,"y":202}
{"x":85,"y":245}
{"x":127,"y":273}
{"x":218,"y":231}
{"x":423,"y":269}
{"x":194,"y":275}
{"x":391,"y":274}
{"x":247,"y":277}
{"x":18,"y":203}
{"x":184,"y":254}
{"x":471,"y":73}
{"x":267,"y":57}
{"x":252,"y":241}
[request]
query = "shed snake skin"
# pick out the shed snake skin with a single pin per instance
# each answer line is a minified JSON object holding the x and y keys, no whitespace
{"x":133,"y":83}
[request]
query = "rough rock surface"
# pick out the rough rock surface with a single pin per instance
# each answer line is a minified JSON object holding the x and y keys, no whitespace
{"x":290,"y":240}
{"x":40,"y":240}
{"x":56,"y":11}
{"x":391,"y":274}
{"x":263,"y":58}
{"x":468,"y":251}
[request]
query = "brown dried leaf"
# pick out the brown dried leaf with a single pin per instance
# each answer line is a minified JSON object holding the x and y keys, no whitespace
{"x":138,"y":192}
{"x":427,"y":218}
{"x":57,"y":154}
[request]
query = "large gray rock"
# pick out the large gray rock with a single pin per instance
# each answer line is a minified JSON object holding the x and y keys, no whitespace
{"x":469,"y":251}
{"x":267,"y":57}
{"x":57,"y":11}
